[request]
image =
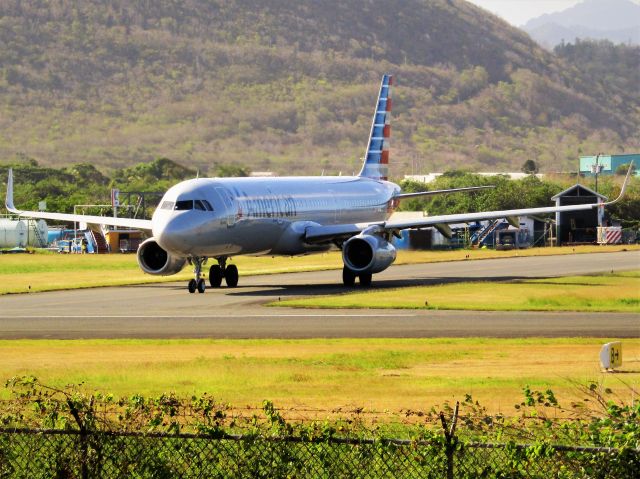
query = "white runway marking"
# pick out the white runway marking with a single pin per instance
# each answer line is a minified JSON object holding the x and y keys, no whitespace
{"x":226,"y":316}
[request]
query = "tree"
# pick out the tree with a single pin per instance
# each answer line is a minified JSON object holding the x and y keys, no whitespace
{"x":226,"y":170}
{"x":530,"y":167}
{"x":87,"y":173}
{"x":622,"y":169}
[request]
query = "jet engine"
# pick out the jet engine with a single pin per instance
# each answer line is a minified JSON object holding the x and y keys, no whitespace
{"x":368,"y":253}
{"x":152,"y":259}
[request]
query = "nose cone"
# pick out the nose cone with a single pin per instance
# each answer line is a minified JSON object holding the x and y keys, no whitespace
{"x":175,"y":234}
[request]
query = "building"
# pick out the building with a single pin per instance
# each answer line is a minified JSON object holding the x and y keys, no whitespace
{"x":609,"y":164}
{"x":578,"y":227}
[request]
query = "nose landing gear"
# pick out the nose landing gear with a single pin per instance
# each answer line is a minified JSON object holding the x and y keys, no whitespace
{"x":219,"y":271}
{"x":197,"y":284}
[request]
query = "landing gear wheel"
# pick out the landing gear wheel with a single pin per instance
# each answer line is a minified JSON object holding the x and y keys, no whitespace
{"x":348,"y":277}
{"x":365,"y":279}
{"x":231,"y":275}
{"x":215,"y":276}
{"x":197,"y":283}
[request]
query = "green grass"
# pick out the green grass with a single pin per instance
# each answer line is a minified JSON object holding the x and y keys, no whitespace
{"x":372,"y":373}
{"x":618,"y":292}
{"x":20,"y":273}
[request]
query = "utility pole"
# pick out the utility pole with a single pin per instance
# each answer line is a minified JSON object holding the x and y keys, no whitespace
{"x":596,"y":169}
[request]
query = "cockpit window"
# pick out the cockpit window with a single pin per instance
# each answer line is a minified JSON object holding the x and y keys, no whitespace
{"x":184,"y":205}
{"x":202,"y":205}
{"x":167,"y":205}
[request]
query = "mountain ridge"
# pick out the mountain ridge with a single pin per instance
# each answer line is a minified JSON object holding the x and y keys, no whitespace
{"x":615,"y":20}
{"x":290,"y":86}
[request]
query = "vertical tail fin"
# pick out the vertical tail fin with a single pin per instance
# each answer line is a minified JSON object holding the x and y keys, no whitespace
{"x":376,"y":159}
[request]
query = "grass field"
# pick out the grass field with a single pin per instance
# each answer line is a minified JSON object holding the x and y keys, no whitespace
{"x":375,"y":374}
{"x":20,"y":273}
{"x":617,"y":292}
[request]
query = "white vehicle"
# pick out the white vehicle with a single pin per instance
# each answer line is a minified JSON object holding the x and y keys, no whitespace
{"x":217,"y":218}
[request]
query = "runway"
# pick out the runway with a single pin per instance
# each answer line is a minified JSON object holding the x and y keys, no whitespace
{"x":169,"y":311}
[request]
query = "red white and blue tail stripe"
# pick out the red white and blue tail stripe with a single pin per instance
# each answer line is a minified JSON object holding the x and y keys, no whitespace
{"x":376,"y":160}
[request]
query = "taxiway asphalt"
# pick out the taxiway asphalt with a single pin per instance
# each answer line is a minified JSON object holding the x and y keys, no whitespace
{"x":167,"y":310}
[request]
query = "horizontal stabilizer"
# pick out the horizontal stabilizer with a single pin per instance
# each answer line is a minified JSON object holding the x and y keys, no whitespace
{"x":404,"y":196}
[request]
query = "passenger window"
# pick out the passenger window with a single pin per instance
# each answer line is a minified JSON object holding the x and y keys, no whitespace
{"x":184,"y":205}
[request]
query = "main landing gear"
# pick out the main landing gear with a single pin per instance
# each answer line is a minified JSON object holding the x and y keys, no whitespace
{"x":217,"y":273}
{"x":349,"y":277}
{"x":221,"y":271}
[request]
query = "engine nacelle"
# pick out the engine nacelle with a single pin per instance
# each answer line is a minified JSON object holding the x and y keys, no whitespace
{"x":152,"y":259}
{"x":367,"y":253}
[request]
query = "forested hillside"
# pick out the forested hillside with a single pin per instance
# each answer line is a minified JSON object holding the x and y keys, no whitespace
{"x":289,"y":86}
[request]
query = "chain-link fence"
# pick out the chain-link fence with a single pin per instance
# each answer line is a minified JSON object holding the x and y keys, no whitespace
{"x":32,"y":453}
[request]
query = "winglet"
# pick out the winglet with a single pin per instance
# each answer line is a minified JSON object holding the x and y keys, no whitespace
{"x":624,"y":186}
{"x":8,"y":202}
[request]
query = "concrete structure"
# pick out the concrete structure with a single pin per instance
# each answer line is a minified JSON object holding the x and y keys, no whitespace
{"x":608,"y":163}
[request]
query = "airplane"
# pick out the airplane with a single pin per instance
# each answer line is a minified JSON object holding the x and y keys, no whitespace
{"x":218,"y":218}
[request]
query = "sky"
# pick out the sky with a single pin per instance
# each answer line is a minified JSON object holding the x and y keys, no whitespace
{"x":518,"y":12}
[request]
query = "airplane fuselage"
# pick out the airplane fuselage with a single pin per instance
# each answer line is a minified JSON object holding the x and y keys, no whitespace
{"x":233,"y":216}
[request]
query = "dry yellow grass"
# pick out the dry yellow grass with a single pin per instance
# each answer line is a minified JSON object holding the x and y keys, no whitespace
{"x":376,"y":374}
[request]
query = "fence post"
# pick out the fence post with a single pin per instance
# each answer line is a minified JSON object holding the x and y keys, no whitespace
{"x":450,"y":439}
{"x":84,"y":449}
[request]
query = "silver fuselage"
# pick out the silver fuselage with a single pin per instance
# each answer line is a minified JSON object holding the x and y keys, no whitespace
{"x":264,"y":215}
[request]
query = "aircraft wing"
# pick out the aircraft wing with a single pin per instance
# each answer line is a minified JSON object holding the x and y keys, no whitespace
{"x":100,"y":220}
{"x":322,"y":233}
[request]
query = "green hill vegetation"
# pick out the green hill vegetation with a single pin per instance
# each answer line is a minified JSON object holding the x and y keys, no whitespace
{"x":289,"y":86}
{"x":83,"y":184}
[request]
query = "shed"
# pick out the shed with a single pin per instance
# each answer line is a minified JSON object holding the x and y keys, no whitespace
{"x":575,"y":227}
